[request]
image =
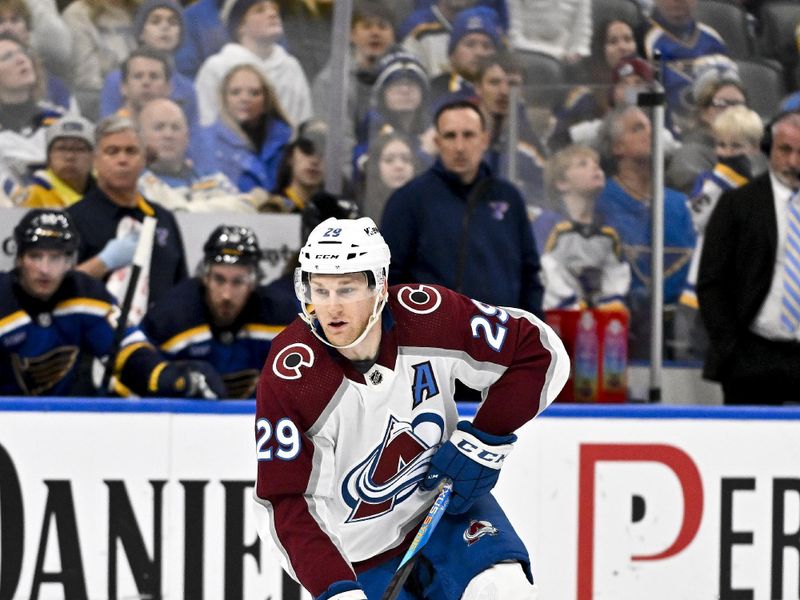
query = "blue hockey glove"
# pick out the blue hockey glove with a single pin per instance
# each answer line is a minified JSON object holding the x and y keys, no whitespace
{"x":118,"y":252}
{"x":472,"y":459}
{"x":343,"y":590}
{"x":191,"y":379}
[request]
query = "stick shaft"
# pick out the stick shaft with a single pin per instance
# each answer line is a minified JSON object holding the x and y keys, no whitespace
{"x":423,"y":535}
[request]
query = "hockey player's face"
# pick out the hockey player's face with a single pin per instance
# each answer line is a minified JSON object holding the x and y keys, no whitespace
{"x":342,"y":304}
{"x":461,"y":140}
{"x":227,"y":289}
{"x":41,"y":271}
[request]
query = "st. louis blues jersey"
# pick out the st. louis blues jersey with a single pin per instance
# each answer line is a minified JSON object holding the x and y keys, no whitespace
{"x":341,"y":453}
{"x":42,"y":342}
{"x":181,"y":326}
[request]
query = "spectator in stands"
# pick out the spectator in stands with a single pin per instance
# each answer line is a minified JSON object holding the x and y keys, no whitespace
{"x":256,"y":27}
{"x":398,"y":103}
{"x":222,"y":314}
{"x":102,"y":38}
{"x":54,"y":316}
{"x":23,"y":116}
{"x":591,"y":102}
{"x":748,"y":301}
{"x":158,"y":25}
{"x":497,"y":75}
{"x":459,"y":226}
{"x":205,"y":34}
{"x":582,"y":265}
{"x":499,"y":6}
{"x":561,"y":29}
{"x":248,"y":136}
{"x":625,"y":142}
{"x":177,"y":182}
{"x":106,"y":244}
{"x":476,"y":35}
{"x":714,"y":91}
{"x":426,"y":33}
{"x":49,"y":35}
{"x":679,"y":39}
{"x":391,"y":164}
{"x":737,"y":138}
{"x":145,"y":76}
{"x":371,"y":36}
{"x":632,"y":76}
{"x":301,"y":172}
{"x":16,"y":20}
{"x":67,"y":176}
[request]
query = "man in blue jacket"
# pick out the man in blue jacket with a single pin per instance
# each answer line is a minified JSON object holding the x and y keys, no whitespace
{"x":459,"y":226}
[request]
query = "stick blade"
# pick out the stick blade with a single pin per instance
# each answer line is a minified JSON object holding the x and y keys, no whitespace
{"x":399,"y":579}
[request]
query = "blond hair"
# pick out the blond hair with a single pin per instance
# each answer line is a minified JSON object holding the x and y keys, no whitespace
{"x":557,"y":166}
{"x":739,"y":123}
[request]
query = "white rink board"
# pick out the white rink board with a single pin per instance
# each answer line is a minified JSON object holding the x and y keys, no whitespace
{"x":78,"y":466}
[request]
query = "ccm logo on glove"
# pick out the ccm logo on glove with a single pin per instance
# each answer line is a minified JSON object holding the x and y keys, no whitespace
{"x":471,"y":447}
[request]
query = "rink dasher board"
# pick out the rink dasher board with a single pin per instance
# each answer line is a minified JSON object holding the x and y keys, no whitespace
{"x":88,"y":471}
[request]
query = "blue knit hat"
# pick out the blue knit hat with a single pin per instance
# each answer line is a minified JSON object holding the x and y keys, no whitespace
{"x":479,"y":19}
{"x":149,"y":6}
{"x":399,"y":63}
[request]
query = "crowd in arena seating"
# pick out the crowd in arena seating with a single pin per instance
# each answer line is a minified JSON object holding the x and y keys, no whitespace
{"x":231,"y":100}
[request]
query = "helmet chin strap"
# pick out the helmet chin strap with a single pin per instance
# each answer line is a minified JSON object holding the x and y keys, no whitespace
{"x":380,"y":301}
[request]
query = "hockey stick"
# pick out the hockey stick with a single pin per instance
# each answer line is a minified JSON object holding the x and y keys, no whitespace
{"x":141,"y":257}
{"x":422,"y":537}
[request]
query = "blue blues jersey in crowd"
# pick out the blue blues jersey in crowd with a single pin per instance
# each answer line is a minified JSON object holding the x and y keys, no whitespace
{"x":681,"y":49}
{"x":181,"y":326}
{"x":42,"y":342}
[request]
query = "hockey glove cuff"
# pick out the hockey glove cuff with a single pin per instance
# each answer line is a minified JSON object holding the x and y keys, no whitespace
{"x":471,"y":459}
{"x":343,"y":590}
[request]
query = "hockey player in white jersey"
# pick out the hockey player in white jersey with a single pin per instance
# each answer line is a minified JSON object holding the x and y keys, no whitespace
{"x":356,"y":424}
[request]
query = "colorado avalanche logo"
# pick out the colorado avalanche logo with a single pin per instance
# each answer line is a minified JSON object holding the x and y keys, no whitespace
{"x":422,"y":299}
{"x":392,"y":470}
{"x":478,"y":529}
{"x":289,"y":360}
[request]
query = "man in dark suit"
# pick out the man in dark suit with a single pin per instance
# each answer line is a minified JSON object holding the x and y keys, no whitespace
{"x":748,"y":300}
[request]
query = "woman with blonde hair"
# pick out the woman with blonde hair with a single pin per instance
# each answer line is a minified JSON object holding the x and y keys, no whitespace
{"x":247,"y":139}
{"x":102,"y":37}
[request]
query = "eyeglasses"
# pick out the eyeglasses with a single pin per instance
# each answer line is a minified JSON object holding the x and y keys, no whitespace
{"x":725,"y":102}
{"x":77,"y":149}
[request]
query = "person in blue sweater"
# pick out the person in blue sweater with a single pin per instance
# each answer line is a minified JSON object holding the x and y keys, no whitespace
{"x":624,"y":204}
{"x":459,"y":225}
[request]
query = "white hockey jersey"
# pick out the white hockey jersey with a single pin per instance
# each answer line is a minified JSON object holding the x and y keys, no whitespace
{"x":341,"y":454}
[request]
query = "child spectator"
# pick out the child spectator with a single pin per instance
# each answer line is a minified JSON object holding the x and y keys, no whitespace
{"x":737,"y":136}
{"x":158,"y":25}
{"x":391,"y":164}
{"x":582,"y":264}
{"x":256,"y":27}
{"x":102,"y":38}
{"x":248,"y":136}
{"x":398,"y":104}
{"x":716,"y":90}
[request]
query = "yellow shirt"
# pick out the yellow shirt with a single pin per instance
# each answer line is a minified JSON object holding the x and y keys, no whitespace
{"x":50,"y":191}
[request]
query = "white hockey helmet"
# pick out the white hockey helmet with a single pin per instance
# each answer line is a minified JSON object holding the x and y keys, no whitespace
{"x":341,"y":246}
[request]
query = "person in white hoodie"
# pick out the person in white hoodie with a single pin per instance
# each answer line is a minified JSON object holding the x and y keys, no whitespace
{"x":256,"y":27}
